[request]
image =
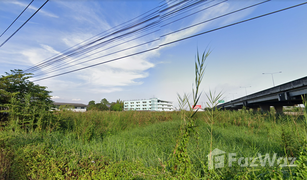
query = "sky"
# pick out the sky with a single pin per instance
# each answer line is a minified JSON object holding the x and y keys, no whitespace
{"x":239,"y":56}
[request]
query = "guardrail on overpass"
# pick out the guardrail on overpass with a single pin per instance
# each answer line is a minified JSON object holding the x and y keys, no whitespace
{"x":287,"y":94}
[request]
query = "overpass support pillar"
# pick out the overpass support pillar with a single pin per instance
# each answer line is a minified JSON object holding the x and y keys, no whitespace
{"x":265,"y":108}
{"x":279,"y":109}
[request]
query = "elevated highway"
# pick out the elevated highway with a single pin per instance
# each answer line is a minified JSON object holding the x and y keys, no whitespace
{"x":287,"y":94}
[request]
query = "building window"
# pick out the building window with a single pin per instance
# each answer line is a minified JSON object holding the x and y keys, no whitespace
{"x":137,"y":102}
{"x":144,"y":108}
{"x":126,"y":102}
{"x":144,"y":105}
{"x":137,"y":105}
{"x":132,"y":105}
{"x":149,"y":104}
{"x":82,"y":107}
{"x":149,"y":101}
{"x":144,"y":101}
{"x":131,"y":102}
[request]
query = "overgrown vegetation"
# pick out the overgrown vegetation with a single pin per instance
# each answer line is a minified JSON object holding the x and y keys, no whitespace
{"x":26,"y":104}
{"x":36,"y":143}
{"x":131,"y":144}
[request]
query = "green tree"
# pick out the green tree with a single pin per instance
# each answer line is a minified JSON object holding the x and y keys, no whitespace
{"x":17,"y":84}
{"x":118,"y":106}
{"x":91,"y":106}
{"x":27,"y":104}
{"x":91,"y":103}
{"x":101,"y":107}
{"x":104,"y":101}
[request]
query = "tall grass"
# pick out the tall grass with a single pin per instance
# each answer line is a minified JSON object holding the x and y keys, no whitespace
{"x":38,"y":144}
{"x":180,"y":164}
{"x":146,"y":141}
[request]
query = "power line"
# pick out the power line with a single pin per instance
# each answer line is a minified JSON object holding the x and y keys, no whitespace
{"x":126,"y":48}
{"x":23,"y":24}
{"x":239,"y":22}
{"x":100,"y":51}
{"x":165,"y":44}
{"x":103,"y":55}
{"x":146,"y":42}
{"x":89,"y":39}
{"x":94,"y":58}
{"x":110,"y":31}
{"x":17,"y":17}
{"x":194,"y":12}
{"x":110,"y":47}
{"x":197,"y":24}
{"x":84,"y":51}
{"x":78,"y":50}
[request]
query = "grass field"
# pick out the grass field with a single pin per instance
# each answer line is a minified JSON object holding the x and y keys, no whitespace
{"x":139,"y":145}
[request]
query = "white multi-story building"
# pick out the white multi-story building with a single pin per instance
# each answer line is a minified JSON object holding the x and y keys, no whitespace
{"x":152,"y":104}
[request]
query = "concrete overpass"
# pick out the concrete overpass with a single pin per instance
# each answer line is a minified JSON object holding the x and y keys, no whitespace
{"x":287,"y":94}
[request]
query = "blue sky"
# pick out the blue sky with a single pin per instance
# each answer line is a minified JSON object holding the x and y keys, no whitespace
{"x":240,"y":54}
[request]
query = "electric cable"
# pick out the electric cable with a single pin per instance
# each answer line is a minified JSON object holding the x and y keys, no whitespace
{"x":17,"y":18}
{"x":23,"y":24}
{"x":154,"y":40}
{"x":175,"y":41}
{"x":118,"y":26}
{"x":48,"y":64}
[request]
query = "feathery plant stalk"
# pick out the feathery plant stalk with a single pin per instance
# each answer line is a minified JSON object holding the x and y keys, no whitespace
{"x":180,"y":163}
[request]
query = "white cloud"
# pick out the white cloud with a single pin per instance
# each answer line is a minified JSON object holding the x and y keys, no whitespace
{"x":110,"y":77}
{"x":86,"y":13}
{"x":50,"y":49}
{"x":35,"y":55}
{"x":105,"y":90}
{"x":55,"y":97}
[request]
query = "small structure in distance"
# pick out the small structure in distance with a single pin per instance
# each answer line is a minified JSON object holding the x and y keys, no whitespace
{"x":76,"y":107}
{"x":197,"y":107}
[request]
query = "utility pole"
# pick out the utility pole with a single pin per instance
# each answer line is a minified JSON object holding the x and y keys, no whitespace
{"x":272,"y":76}
{"x":245,"y":89}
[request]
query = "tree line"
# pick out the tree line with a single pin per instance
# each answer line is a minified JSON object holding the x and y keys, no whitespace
{"x":30,"y":103}
{"x":105,"y":105}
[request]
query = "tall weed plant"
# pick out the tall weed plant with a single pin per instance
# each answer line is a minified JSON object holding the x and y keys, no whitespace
{"x":180,"y":162}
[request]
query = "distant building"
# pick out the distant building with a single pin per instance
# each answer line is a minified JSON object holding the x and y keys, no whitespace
{"x":152,"y":104}
{"x":196,"y":107}
{"x":78,"y":107}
